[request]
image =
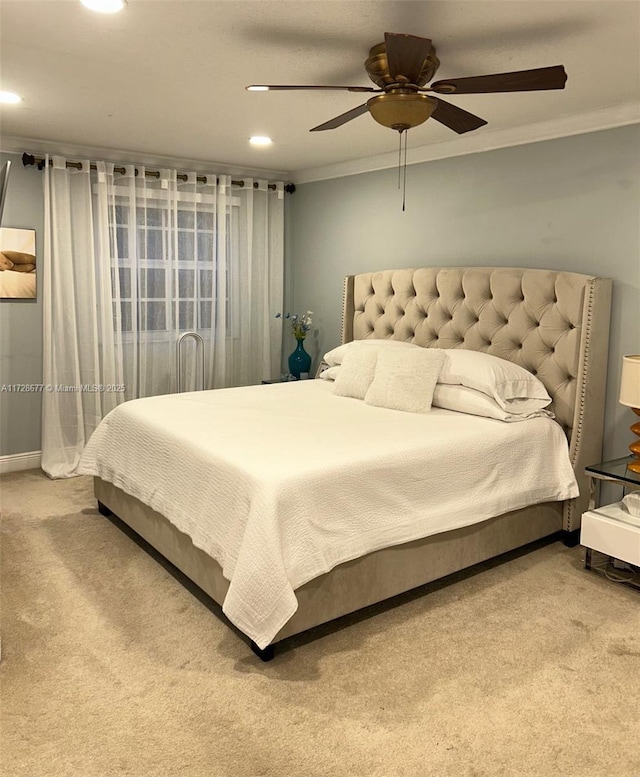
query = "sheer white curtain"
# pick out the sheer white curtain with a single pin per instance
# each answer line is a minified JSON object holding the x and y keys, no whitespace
{"x":132,"y":260}
{"x":78,"y":338}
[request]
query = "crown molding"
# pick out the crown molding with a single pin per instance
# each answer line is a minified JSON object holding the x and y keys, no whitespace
{"x":602,"y":119}
{"x":472,"y":143}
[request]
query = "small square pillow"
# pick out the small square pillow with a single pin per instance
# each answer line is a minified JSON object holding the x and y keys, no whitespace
{"x":356,"y":373}
{"x":405,"y":380}
{"x":472,"y":402}
{"x":513,"y":388}
{"x":335,"y":356}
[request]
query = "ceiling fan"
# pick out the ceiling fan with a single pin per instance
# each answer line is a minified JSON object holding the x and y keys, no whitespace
{"x":402,"y":66}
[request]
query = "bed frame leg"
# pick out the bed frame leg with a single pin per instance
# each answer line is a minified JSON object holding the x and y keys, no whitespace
{"x":104,"y":510}
{"x":264,"y":655}
{"x":571,"y":538}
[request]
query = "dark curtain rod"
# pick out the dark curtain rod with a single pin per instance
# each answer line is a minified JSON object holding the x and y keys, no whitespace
{"x":29,"y":159}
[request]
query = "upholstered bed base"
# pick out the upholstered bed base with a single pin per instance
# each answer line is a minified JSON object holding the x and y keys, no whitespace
{"x":553,"y":323}
{"x":356,"y":584}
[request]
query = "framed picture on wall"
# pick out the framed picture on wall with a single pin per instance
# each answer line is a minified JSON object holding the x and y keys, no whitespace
{"x":17,"y":263}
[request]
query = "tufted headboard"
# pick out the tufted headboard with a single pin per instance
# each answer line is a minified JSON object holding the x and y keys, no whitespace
{"x":555,"y":324}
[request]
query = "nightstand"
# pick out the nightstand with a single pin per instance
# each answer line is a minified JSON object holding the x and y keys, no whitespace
{"x":611,"y":529}
{"x":268,"y":381}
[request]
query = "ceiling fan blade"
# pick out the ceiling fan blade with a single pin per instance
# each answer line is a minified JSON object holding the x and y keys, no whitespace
{"x":283,"y":87}
{"x":455,"y":118}
{"x":406,"y":54}
{"x":338,"y":121}
{"x":519,"y":81}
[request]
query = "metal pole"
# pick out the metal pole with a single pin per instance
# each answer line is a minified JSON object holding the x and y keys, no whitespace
{"x":199,"y":351}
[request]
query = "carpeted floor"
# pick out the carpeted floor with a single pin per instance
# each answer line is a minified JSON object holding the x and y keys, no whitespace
{"x":111,"y":667}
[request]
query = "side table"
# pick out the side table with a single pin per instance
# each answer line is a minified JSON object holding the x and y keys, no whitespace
{"x":611,"y":529}
{"x":279,"y":379}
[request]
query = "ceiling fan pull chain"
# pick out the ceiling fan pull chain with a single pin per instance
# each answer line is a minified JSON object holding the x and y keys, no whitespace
{"x":399,"y":157}
{"x":404,"y":172}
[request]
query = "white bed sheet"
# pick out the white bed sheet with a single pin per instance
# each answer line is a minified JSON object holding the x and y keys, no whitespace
{"x":280,"y":483}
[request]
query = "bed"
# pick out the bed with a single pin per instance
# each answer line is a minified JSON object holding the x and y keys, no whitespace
{"x":552,"y":323}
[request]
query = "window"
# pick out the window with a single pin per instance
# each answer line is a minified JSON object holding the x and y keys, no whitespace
{"x":164,"y":268}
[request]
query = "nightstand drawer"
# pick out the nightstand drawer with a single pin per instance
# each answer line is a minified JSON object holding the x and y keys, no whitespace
{"x":615,"y":536}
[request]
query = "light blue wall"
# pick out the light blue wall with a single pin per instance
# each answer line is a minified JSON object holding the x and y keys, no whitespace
{"x":21,"y":321}
{"x":570,"y":204}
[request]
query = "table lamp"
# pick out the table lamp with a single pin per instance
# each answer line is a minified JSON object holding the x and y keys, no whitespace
{"x":630,"y":396}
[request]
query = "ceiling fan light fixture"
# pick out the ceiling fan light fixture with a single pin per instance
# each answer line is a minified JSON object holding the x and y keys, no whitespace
{"x":260,"y":140}
{"x":257,"y":88}
{"x":401,"y":111}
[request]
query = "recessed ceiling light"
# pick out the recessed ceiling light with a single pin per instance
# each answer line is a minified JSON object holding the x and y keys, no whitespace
{"x":104,"y":6}
{"x":10,"y":97}
{"x":257,"y":88}
{"x":260,"y":140}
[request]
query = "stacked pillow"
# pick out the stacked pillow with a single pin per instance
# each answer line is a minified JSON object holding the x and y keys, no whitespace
{"x":481,"y":384}
{"x":404,"y":376}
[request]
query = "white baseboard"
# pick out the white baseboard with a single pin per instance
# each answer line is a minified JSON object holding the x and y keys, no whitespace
{"x":19,"y":461}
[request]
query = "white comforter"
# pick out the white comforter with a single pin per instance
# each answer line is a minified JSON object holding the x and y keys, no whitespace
{"x":281,"y":483}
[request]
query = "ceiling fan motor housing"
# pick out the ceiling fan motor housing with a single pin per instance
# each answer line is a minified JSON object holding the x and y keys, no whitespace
{"x":401,"y":107}
{"x":377,"y":67}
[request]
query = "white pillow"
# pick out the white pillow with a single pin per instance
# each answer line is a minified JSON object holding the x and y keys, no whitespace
{"x":514,"y":388}
{"x":405,"y":380}
{"x":330,"y":373}
{"x":472,"y":402}
{"x":336,"y":355}
{"x":356,"y":373}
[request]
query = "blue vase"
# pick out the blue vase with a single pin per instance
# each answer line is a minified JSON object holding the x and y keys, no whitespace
{"x":299,"y":360}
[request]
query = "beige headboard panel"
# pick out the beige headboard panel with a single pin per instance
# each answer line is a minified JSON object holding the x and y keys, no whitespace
{"x":555,"y":324}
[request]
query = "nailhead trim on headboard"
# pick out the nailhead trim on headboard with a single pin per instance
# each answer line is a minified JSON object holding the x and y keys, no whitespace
{"x":578,"y":425}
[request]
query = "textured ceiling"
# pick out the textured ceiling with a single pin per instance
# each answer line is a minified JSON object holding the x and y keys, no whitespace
{"x":166,"y":79}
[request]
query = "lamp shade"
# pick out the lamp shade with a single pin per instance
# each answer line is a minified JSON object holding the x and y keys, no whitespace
{"x":630,"y":381}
